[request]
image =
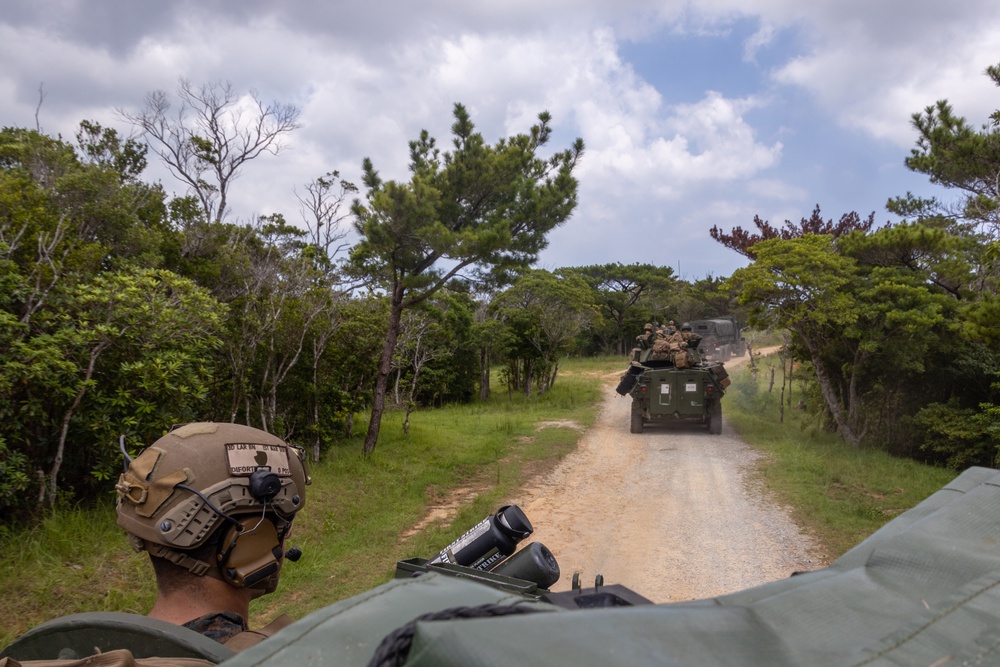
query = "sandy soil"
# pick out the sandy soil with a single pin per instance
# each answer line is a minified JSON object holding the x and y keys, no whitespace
{"x":670,"y":513}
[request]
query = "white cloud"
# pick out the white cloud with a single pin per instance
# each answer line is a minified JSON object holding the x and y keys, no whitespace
{"x":675,"y":159}
{"x":764,"y":36}
{"x":873,"y":69}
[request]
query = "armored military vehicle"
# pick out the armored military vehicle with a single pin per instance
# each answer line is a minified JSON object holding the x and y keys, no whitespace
{"x":721,"y":338}
{"x":664,"y":393}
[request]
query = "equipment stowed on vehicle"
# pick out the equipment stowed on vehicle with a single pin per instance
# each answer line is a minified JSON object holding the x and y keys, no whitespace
{"x":665,"y":393}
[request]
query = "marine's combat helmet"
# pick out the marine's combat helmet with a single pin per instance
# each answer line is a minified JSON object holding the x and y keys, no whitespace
{"x":228,"y":485}
{"x":685,"y":327}
{"x":648,"y":326}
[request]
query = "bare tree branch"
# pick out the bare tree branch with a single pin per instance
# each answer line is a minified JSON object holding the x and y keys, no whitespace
{"x":213,"y":134}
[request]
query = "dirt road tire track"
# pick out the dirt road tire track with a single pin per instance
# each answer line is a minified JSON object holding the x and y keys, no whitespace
{"x":671,"y":512}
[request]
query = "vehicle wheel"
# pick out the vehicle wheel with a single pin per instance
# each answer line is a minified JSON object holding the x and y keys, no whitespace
{"x":636,"y":425}
{"x":715,"y":419}
{"x":741,"y":350}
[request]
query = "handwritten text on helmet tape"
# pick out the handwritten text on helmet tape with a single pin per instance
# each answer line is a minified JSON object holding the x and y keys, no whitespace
{"x":246,"y":457}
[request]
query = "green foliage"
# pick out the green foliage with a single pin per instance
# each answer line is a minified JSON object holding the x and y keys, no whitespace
{"x":123,"y":354}
{"x":544,"y":314}
{"x":628,"y":296}
{"x":485,"y":207}
{"x":961,"y":437}
{"x":14,"y":475}
{"x":122,"y":310}
{"x":839,"y":493}
{"x":478,"y":209}
{"x":442,"y":355}
{"x":703,"y":299}
{"x":93,"y":344}
{"x":865,"y":317}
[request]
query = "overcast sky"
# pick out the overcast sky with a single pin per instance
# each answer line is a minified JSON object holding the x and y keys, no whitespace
{"x":694,"y":114}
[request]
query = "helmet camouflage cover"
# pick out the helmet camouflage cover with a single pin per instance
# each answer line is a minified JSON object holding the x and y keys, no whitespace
{"x":178,"y":491}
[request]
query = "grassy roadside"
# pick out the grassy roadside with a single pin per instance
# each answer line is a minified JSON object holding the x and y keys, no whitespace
{"x":471,"y":457}
{"x":839,"y":494}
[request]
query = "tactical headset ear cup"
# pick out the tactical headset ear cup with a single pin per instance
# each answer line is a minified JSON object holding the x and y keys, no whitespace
{"x":264,"y":485}
{"x":249,"y":556}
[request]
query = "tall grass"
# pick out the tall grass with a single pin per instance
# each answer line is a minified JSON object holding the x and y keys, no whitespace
{"x":840,"y":494}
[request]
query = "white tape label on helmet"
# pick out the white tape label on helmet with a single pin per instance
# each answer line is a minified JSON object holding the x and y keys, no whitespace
{"x":247,"y":457}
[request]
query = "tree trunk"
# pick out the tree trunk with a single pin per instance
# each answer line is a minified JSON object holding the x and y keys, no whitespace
{"x":620,"y":326}
{"x":411,"y":404}
{"x":853,"y":402}
{"x":384,"y":369}
{"x":528,"y":378}
{"x":317,"y":442}
{"x":844,"y":426}
{"x":484,"y":373}
{"x":791,"y":368}
{"x":781,"y":411}
{"x":64,"y":427}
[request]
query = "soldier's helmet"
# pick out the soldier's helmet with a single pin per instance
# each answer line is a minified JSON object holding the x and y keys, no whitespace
{"x":671,"y":323}
{"x":648,"y":326}
{"x":216,"y":499}
{"x":685,"y":327}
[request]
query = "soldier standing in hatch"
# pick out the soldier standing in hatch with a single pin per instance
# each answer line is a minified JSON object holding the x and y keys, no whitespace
{"x":690,"y":341}
{"x":644,"y":341}
{"x":647,"y":336}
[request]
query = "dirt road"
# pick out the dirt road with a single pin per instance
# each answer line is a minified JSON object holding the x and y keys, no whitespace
{"x":669,"y":513}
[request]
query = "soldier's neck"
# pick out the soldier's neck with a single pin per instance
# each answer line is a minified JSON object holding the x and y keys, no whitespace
{"x":182,"y":605}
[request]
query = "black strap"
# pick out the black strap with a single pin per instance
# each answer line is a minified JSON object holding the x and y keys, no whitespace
{"x":395,"y":647}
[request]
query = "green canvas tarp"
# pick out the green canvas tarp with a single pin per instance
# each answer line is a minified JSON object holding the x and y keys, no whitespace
{"x":923,"y":590}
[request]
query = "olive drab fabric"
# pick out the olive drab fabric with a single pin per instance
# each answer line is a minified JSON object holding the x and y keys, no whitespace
{"x":923,"y":590}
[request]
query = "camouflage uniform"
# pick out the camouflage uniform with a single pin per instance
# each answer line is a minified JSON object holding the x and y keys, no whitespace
{"x":690,"y":341}
{"x":219,"y":626}
{"x":644,"y":340}
{"x":647,"y":336}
